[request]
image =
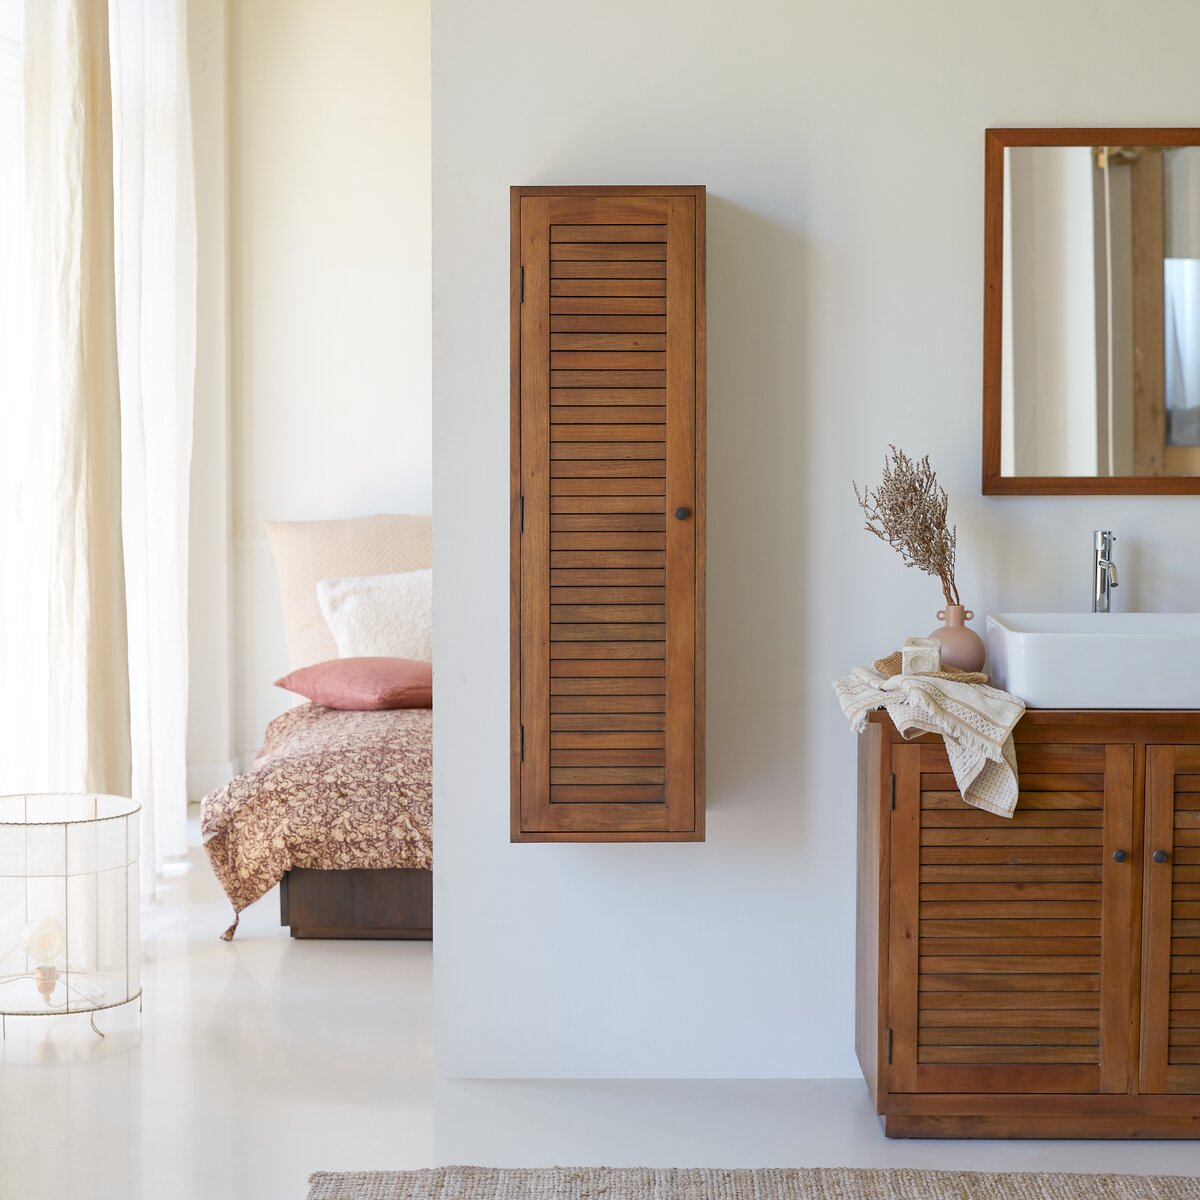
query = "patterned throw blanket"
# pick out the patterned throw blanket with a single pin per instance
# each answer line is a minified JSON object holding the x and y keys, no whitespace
{"x":975,"y":720}
{"x":328,"y":790}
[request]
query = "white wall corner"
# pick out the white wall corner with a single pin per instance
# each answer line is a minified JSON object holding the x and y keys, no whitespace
{"x":203,"y":777}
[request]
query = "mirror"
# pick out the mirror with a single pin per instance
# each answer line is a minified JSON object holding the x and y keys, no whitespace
{"x":1092,"y":311}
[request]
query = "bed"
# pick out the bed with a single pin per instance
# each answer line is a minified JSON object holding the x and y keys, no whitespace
{"x":338,"y":810}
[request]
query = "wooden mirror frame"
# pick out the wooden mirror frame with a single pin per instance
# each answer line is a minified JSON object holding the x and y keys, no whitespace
{"x":994,"y":484}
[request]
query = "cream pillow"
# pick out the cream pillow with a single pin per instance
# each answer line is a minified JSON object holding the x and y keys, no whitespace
{"x":308,"y":551}
{"x":381,"y":616}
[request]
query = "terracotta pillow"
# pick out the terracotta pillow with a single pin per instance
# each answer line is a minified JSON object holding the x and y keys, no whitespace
{"x":364,"y":684}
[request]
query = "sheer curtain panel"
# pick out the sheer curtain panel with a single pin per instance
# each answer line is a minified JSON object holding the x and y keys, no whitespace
{"x":102,"y":507}
{"x":156,"y":321}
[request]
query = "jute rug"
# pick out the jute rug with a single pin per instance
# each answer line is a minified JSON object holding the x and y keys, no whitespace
{"x":835,"y":1183}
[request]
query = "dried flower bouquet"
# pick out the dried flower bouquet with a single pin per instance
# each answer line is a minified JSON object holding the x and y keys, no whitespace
{"x":908,"y":511}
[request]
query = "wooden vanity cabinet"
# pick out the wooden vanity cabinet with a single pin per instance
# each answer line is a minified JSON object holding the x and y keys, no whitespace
{"x":1036,"y":976}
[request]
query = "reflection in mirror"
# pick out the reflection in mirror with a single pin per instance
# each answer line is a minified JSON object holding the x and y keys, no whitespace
{"x":1100,"y":334}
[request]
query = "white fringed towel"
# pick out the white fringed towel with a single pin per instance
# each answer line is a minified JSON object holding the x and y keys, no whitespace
{"x":975,"y":720}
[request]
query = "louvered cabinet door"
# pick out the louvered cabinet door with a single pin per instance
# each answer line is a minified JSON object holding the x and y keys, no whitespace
{"x":1010,"y":943}
{"x":608,"y":514}
{"x":1171,"y":914}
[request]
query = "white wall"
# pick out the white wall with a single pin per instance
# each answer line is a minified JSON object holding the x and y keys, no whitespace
{"x":328,"y":248}
{"x":842,"y":146}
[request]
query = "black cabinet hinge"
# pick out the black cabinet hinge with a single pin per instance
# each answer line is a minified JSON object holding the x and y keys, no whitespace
{"x":522,"y":285}
{"x":889,"y":1047}
{"x":522,"y":514}
{"x":522,"y":743}
{"x":892,"y":792}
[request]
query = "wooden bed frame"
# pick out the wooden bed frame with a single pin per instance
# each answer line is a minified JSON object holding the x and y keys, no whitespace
{"x":392,"y":904}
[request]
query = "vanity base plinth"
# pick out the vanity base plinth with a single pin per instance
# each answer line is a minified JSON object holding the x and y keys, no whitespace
{"x":1035,"y":976}
{"x":1052,"y":1117}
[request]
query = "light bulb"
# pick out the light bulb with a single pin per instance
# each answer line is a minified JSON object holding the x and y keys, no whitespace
{"x":44,"y":940}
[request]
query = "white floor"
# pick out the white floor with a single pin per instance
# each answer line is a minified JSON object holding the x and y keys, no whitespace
{"x":265,"y":1059}
{"x":259,"y":1061}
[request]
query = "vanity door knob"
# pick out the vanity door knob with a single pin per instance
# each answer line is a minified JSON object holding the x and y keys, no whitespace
{"x":682,"y":514}
{"x":1119,"y":856}
{"x":1160,"y":856}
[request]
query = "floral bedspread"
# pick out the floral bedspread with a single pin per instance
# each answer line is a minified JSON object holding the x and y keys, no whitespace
{"x":328,"y":790}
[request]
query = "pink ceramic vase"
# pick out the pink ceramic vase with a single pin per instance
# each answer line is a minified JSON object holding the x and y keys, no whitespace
{"x":961,"y":647}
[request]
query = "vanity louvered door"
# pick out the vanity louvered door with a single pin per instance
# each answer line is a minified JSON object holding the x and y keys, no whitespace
{"x":1010,"y":948}
{"x":1171,"y":961}
{"x":608,"y":513}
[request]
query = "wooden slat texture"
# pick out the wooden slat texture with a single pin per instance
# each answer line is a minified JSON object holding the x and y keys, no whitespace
{"x":1012,"y":834}
{"x":1005,"y":1055}
{"x":608,"y":432}
{"x":1012,"y":855}
{"x":607,"y":721}
{"x":607,"y":794}
{"x":605,"y":397}
{"x":1026,"y":800}
{"x":608,"y":651}
{"x":601,"y":378}
{"x":608,"y":323}
{"x":1002,"y":873}
{"x":608,"y":360}
{"x":990,"y":910}
{"x":607,"y":612}
{"x":989,"y":892}
{"x":629,"y":232}
{"x":601,"y":577}
{"x":609,"y":305}
{"x":1030,"y":781}
{"x":1027,"y":940}
{"x":1170,"y":1045}
{"x":1041,"y":1035}
{"x":1001,"y":980}
{"x":645,"y":445}
{"x":608,"y":469}
{"x":1005,"y":977}
{"x":982,"y":931}
{"x":608,"y":251}
{"x":1001,"y":1001}
{"x":602,"y":595}
{"x":595,"y":341}
{"x":608,"y":287}
{"x":607,"y":687}
{"x":971,"y":817}
{"x":602,"y":414}
{"x":607,"y":704}
{"x":1021,"y":1021}
{"x":607,"y":270}
{"x":587,"y":739}
{"x":581,"y":668}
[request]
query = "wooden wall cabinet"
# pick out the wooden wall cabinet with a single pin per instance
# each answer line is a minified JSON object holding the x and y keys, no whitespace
{"x":608,"y":466}
{"x":1040,"y":976}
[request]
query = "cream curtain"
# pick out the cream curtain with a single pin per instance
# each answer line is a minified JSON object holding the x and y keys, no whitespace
{"x":103,"y":513}
{"x":156,"y":321}
{"x":75,"y":484}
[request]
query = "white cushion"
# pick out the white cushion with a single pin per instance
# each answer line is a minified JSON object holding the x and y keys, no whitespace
{"x":380,"y":616}
{"x":308,"y":551}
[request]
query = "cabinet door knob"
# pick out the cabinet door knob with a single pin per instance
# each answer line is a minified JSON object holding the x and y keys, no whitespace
{"x":1160,"y":856}
{"x":1119,"y":856}
{"x":682,"y":514}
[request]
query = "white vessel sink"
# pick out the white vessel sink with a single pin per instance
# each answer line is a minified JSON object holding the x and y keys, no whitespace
{"x":1097,"y":660}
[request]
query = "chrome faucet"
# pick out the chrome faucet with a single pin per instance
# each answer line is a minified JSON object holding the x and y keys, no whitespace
{"x":1104,"y":570}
